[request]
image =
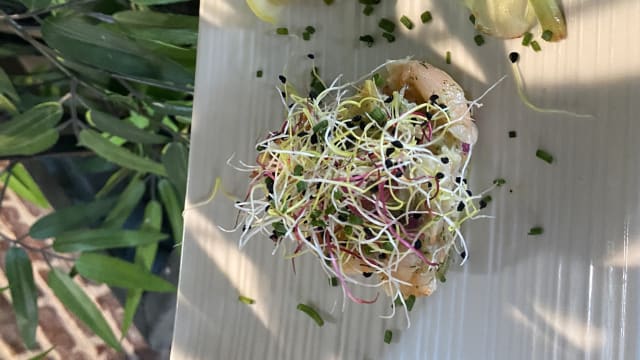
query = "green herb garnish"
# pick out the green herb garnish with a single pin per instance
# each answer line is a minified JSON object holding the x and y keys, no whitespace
{"x":312,"y":313}
{"x":538,"y":230}
{"x":246,"y":300}
{"x":425,"y":17}
{"x":545,"y":156}
{"x":406,"y":22}
{"x":282,"y":31}
{"x":388,"y":335}
{"x":387,"y":25}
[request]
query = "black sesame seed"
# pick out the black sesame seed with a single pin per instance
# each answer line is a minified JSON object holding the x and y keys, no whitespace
{"x":433,"y":98}
{"x":362,"y":125}
{"x":284,"y":94}
{"x":482,"y":204}
{"x":311,"y":56}
{"x":439,"y":176}
{"x":382,"y":256}
{"x":302,"y":133}
{"x":429,"y":116}
{"x":513,"y":57}
{"x":388,"y":163}
{"x":282,"y":79}
{"x":416,"y":215}
{"x":445,"y":160}
{"x":469,"y":192}
{"x":429,"y":185}
{"x":388,"y":99}
{"x":314,"y":139}
{"x":417,"y":244}
{"x":397,"y":143}
{"x":357,"y":118}
{"x":368,"y":232}
{"x":442,"y":105}
{"x":458,"y":179}
{"x":512,"y":134}
{"x":389,"y":151}
{"x":273,"y":237}
{"x":463,"y":254}
{"x":367,"y":274}
{"x":343,"y":217}
{"x":460,"y":206}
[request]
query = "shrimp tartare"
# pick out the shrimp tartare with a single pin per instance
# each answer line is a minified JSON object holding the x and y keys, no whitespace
{"x":370,"y":177}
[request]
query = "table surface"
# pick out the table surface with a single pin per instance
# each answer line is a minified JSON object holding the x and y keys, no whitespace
{"x":573,"y":292}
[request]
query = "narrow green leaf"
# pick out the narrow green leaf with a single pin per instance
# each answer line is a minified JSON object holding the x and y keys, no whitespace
{"x":120,"y":273}
{"x":124,"y":129}
{"x":100,"y":239}
{"x":23,"y":293}
{"x":156,"y":19}
{"x":118,"y":155}
{"x":169,"y":198}
{"x":74,"y":298}
{"x":70,"y":218}
{"x":175,"y":160}
{"x":24,"y":185}
{"x":41,"y":116}
{"x":7,"y":106}
{"x":127,"y":202}
{"x":77,"y":38}
{"x":179,"y":37}
{"x":145,"y":254}
{"x":26,"y":145}
{"x":6,"y":87}
{"x":42,"y":355}
{"x":178,"y":108}
{"x":113,"y":180}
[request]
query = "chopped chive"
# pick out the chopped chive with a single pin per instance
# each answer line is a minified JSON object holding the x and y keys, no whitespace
{"x":526,"y":39}
{"x":388,"y":335}
{"x":425,"y":17}
{"x":259,"y":73}
{"x":312,"y":313}
{"x":246,"y":300}
{"x":447,"y":57}
{"x":538,"y":230}
{"x":282,"y":31}
{"x":388,"y":246}
{"x":355,"y":220}
{"x":321,"y":126}
{"x":512,"y":134}
{"x":378,"y":80}
{"x":378,"y":115}
{"x":406,"y":22}
{"x":545,"y":156}
{"x":487,"y":198}
{"x":306,"y":36}
{"x":297,"y":170}
{"x":410,"y":301}
{"x":386,"y":25}
{"x":310,"y":29}
{"x":547,"y":35}
{"x":390,"y":38}
{"x":535,"y":46}
{"x":499,"y":182}
{"x":472,"y":18}
{"x":369,"y":2}
{"x":368,"y":10}
{"x":301,"y":186}
{"x":367,"y":39}
{"x":333,"y":281}
{"x":479,"y":40}
{"x":279,"y":228}
{"x":348,"y":230}
{"x":328,"y":2}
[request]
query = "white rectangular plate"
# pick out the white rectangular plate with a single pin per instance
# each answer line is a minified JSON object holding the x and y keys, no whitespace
{"x":570,"y":293}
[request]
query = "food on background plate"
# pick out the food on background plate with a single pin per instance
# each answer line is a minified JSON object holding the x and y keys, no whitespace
{"x":370,"y":178}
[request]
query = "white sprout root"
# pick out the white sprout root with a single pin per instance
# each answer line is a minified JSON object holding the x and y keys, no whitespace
{"x":371,"y":183}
